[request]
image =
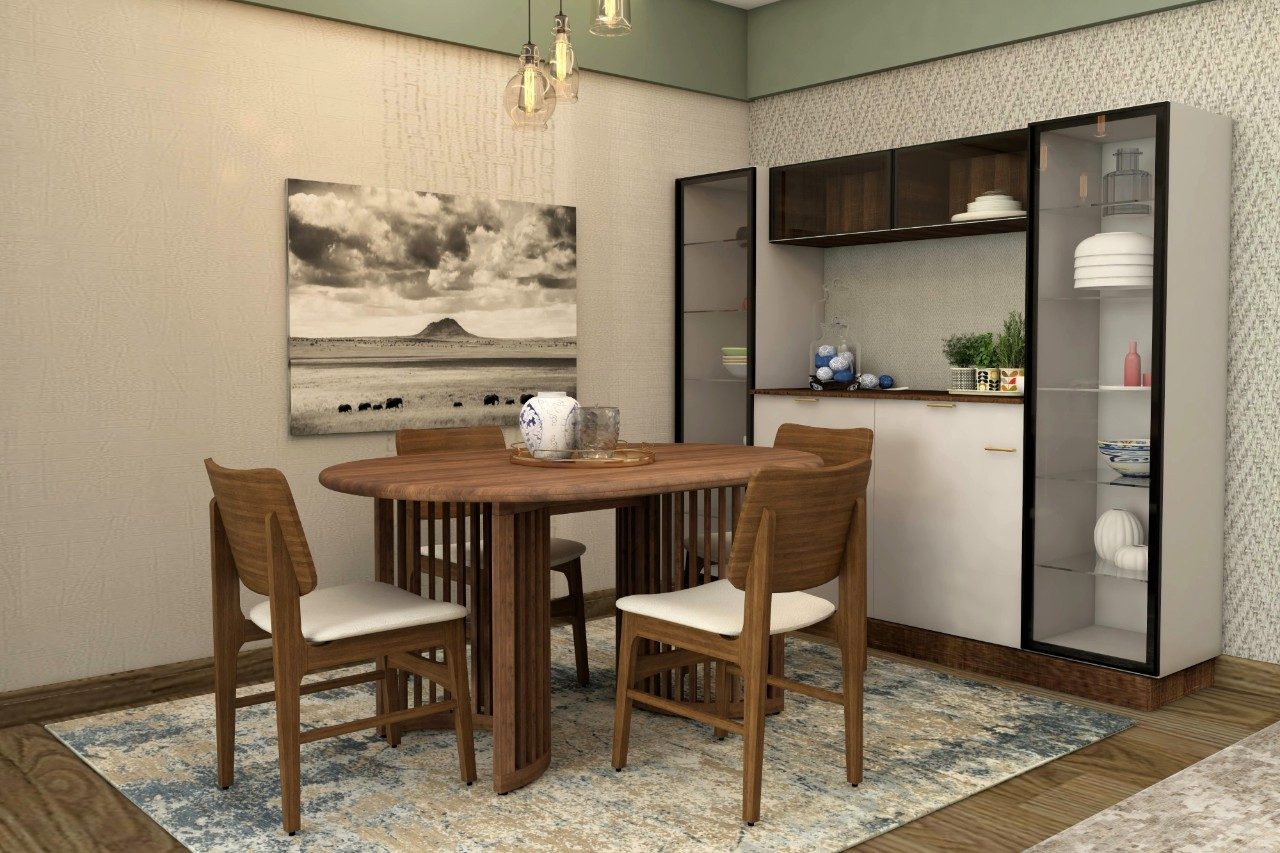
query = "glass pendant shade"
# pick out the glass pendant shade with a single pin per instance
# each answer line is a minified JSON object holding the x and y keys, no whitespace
{"x":1127,"y":185}
{"x":562,"y":65}
{"x":530,"y":98}
{"x":612,"y":18}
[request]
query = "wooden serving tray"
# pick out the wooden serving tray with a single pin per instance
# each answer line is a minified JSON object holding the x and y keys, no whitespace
{"x":623,"y":457}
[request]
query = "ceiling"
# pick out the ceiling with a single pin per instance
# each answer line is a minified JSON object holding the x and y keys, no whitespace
{"x":746,"y":4}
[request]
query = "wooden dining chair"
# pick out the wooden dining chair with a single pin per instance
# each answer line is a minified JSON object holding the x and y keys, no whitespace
{"x":566,"y":554}
{"x":798,"y":529}
{"x":257,"y":540}
{"x":832,"y":446}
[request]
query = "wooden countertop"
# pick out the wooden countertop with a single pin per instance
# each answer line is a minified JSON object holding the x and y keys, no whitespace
{"x":877,"y":394}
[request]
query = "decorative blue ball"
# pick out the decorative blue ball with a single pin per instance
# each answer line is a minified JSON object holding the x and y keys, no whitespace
{"x":886,"y":381}
{"x":843,"y":376}
{"x":821,"y":360}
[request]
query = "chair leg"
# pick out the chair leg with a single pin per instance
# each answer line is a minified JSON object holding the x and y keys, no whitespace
{"x":225,"y":659}
{"x":753,"y":696}
{"x":573,"y":574}
{"x":722,"y":695}
{"x":853,"y":664}
{"x":455,"y":653}
{"x":389,"y":700}
{"x":288,"y":727}
{"x":622,"y":704}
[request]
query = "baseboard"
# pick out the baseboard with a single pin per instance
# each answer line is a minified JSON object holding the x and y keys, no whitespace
{"x":1257,"y":677}
{"x":1126,"y":689}
{"x":50,"y":702}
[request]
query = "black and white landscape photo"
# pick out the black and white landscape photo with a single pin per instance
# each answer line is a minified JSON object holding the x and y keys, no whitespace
{"x":416,"y":309}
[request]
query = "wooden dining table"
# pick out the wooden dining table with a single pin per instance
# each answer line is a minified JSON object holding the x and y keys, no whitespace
{"x":484,"y":522}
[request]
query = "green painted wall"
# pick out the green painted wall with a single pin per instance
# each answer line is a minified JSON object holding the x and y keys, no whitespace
{"x":690,"y":44}
{"x":797,"y":43}
{"x":710,"y":47}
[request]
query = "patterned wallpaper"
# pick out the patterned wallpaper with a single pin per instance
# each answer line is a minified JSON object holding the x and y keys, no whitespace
{"x":146,"y":144}
{"x":1222,"y":56}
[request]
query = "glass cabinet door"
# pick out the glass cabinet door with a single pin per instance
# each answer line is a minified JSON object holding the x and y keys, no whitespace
{"x":1095,"y":309}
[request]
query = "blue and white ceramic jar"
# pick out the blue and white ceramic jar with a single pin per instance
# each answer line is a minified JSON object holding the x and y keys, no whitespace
{"x":547,"y":424}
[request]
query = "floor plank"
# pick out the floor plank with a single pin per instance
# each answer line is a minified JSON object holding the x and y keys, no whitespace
{"x":52,"y":801}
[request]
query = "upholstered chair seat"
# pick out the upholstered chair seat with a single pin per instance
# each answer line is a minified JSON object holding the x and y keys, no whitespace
{"x":355,"y":609}
{"x":718,"y":608}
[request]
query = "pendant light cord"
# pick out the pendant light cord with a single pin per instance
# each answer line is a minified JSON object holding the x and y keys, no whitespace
{"x":529,"y":34}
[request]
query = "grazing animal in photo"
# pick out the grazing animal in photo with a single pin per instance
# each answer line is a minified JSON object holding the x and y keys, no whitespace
{"x":457,"y":405}
{"x":345,"y":407}
{"x":510,"y":402}
{"x":364,"y":407}
{"x":394,"y":402}
{"x":491,"y":399}
{"x":377,"y":406}
{"x":524,"y":398}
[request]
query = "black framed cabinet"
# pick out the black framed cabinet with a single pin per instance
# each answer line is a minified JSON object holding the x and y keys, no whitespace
{"x":715,"y":307}
{"x":1125,"y":413}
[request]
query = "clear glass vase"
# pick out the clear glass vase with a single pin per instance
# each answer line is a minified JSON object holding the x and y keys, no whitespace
{"x":1126,"y":186}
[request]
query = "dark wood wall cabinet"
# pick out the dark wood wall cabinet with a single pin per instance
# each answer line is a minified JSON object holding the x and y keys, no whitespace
{"x":900,"y":194}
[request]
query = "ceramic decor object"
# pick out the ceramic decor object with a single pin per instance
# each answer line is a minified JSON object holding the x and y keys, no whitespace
{"x":1115,"y":243}
{"x":548,"y":423}
{"x":1132,"y":366}
{"x":1131,"y":560}
{"x":986,"y":378}
{"x":1115,"y":529}
{"x":962,"y":379}
{"x":1010,"y":378}
{"x":1130,"y":457}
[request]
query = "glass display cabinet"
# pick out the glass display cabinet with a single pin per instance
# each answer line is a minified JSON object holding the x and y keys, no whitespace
{"x":1125,"y":411}
{"x":715,"y":307}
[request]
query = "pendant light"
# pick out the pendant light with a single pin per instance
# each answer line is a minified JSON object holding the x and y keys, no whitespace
{"x":562,"y":63}
{"x":612,"y":18}
{"x":530,"y":98}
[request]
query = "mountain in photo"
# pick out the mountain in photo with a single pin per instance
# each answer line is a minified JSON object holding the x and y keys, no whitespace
{"x":446,"y":329}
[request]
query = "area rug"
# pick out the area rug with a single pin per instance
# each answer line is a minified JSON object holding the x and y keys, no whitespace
{"x":931,"y":739}
{"x":1228,"y":801}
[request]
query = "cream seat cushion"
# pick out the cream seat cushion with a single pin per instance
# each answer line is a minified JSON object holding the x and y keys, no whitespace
{"x":718,"y":607}
{"x":562,"y":550}
{"x":355,"y":609}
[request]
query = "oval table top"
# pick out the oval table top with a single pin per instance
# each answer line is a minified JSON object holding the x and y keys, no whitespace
{"x":489,"y":476}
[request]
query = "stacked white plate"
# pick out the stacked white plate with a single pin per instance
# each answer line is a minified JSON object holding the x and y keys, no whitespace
{"x":991,"y":205}
{"x":1114,"y":259}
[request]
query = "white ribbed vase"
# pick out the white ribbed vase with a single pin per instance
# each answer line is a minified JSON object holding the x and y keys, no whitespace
{"x":1116,"y":528}
{"x":547,"y":424}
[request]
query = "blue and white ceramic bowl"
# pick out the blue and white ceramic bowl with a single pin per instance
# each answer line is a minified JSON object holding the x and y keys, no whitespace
{"x":1130,"y":457}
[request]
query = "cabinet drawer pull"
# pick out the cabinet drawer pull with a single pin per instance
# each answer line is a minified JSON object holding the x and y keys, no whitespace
{"x":940,"y":405}
{"x":1001,"y":449}
{"x":805,"y":399}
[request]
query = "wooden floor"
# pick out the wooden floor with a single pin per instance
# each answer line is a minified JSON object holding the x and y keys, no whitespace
{"x":51,"y":801}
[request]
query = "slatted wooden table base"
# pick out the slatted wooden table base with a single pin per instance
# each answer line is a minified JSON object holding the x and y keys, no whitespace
{"x":487,"y":535}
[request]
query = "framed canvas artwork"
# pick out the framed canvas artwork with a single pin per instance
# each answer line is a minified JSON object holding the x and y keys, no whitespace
{"x":418,"y":309}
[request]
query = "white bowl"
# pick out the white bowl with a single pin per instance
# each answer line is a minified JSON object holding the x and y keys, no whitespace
{"x":1113,"y":271}
{"x":1115,"y":243}
{"x":738,"y":370}
{"x":973,"y":215}
{"x":1104,"y":260}
{"x":1117,"y":281}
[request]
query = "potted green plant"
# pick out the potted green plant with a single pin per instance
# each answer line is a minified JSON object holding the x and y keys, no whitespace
{"x":986,"y":374}
{"x":1010,"y":352}
{"x":959,"y":351}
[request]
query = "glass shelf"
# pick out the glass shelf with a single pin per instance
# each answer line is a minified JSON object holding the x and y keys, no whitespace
{"x":731,"y":379}
{"x":729,"y":242}
{"x":1100,"y":477}
{"x":1080,"y":564}
{"x":1097,"y":205}
{"x":715,"y":311}
{"x":1096,"y":389}
{"x":1100,"y":294}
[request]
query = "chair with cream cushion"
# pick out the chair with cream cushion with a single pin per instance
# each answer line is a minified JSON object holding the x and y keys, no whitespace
{"x":783,"y":547}
{"x":566,"y":554}
{"x":833,"y":446}
{"x":257,"y":539}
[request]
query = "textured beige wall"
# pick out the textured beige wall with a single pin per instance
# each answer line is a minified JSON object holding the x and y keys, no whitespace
{"x":1222,"y":56}
{"x":146,"y":145}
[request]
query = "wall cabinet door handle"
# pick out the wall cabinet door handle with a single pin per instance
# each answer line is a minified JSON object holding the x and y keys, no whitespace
{"x":805,"y":399}
{"x":940,"y":405}
{"x":1001,"y":449}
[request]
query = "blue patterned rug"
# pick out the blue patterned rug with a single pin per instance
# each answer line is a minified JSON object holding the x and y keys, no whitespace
{"x":931,"y":739}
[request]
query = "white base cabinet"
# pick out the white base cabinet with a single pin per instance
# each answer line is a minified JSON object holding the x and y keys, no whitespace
{"x":945,"y":504}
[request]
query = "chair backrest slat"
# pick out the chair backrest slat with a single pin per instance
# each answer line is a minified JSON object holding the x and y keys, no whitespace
{"x":455,"y":438}
{"x":813,"y":509}
{"x":245,"y":500}
{"x":832,"y":446}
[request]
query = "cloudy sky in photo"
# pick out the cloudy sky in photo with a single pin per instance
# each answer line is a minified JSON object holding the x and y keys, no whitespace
{"x":370,"y":262}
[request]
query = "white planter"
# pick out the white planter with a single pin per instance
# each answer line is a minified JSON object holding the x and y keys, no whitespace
{"x":547,"y":424}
